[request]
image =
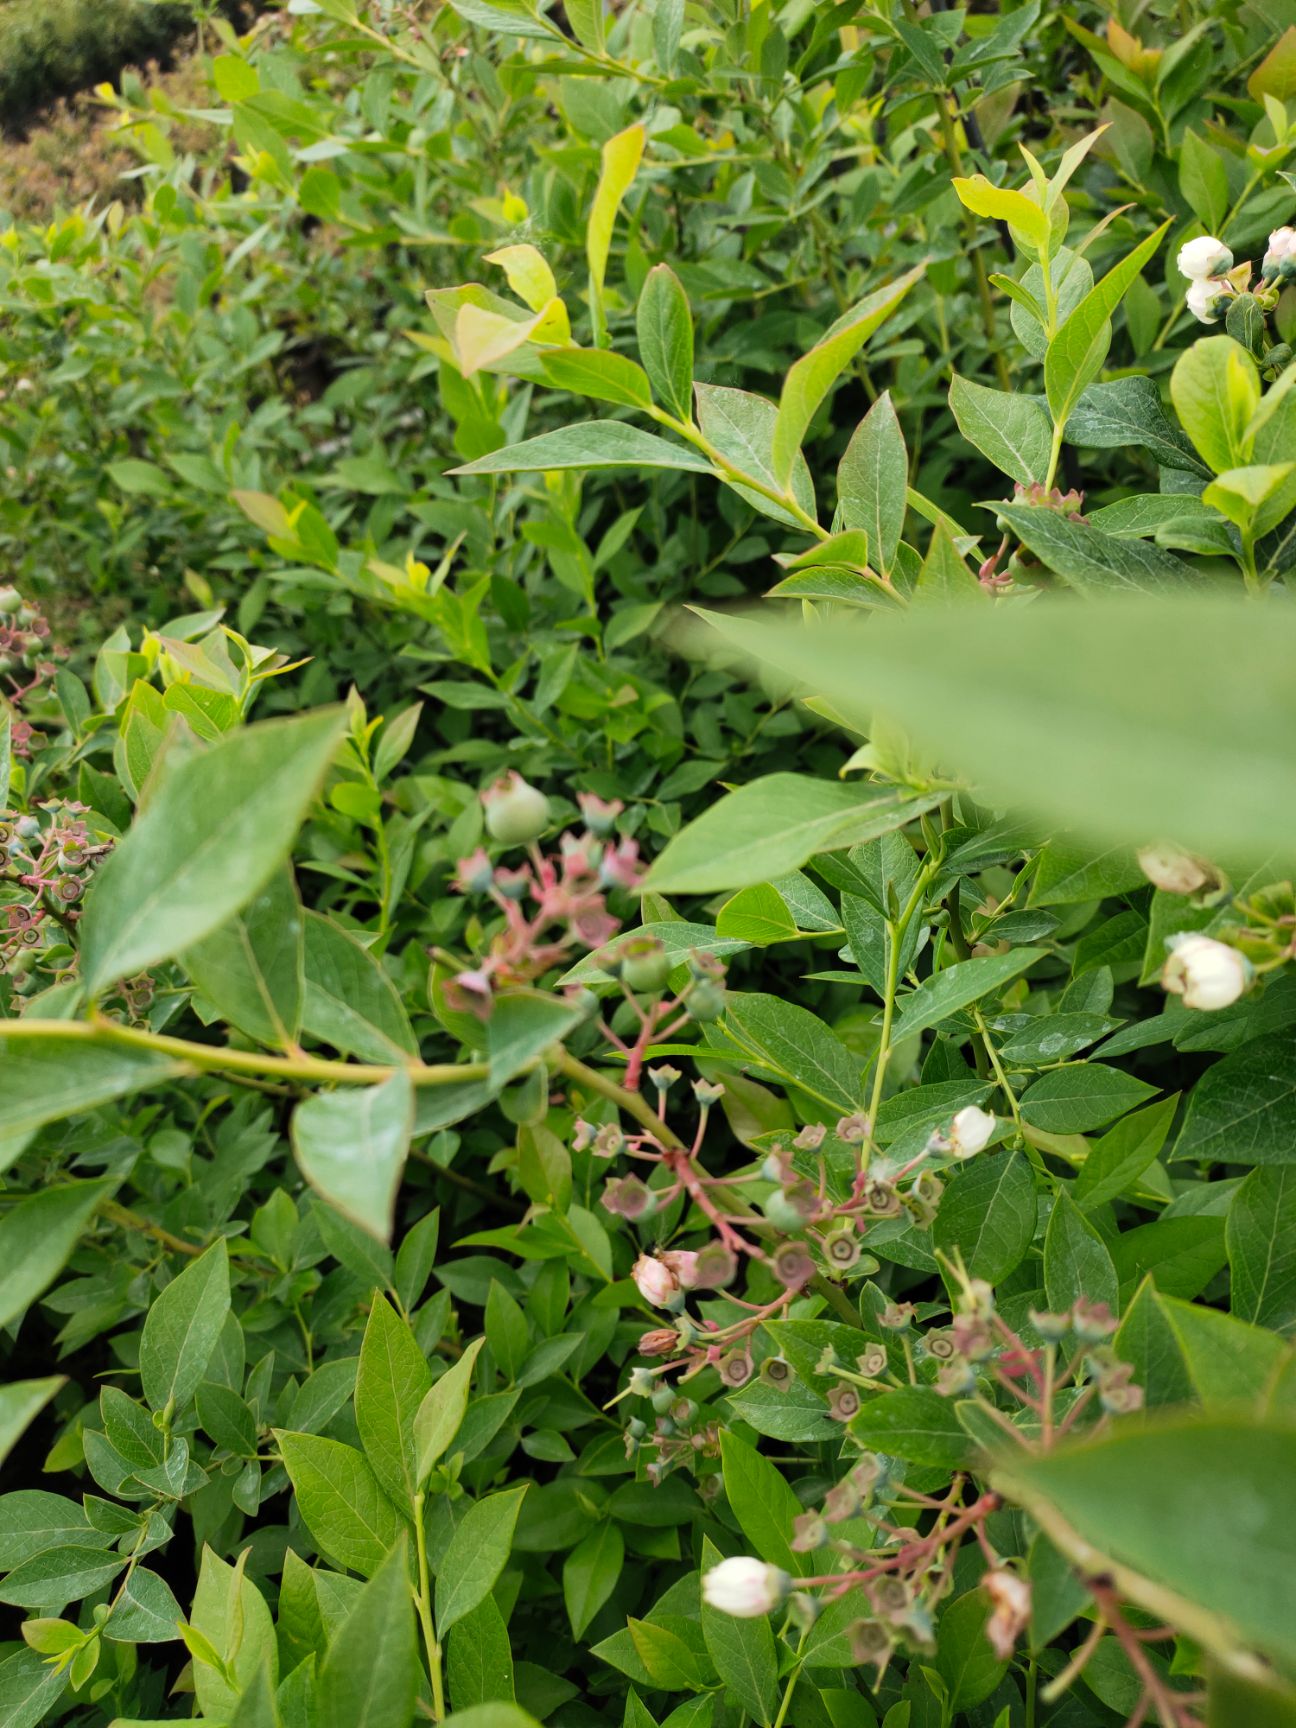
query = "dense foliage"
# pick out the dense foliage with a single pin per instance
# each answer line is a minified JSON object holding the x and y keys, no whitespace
{"x":51,"y":48}
{"x":647,"y":801}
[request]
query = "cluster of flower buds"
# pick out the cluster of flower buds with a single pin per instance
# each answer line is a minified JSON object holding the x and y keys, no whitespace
{"x":1260,"y":931}
{"x":46,"y":861}
{"x":643,"y":968}
{"x":904,"y":1569}
{"x":899,"y":1577}
{"x":27,"y":658}
{"x":799,"y":1232}
{"x":993,"y":574}
{"x":837,"y":1228}
{"x":1214,"y":280}
{"x":550,"y":904}
{"x":679,"y":1433}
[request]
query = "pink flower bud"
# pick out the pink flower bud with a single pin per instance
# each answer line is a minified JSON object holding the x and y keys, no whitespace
{"x":655,"y":1280}
{"x":683,"y":1266}
{"x":599,"y":814}
{"x":473,"y":873}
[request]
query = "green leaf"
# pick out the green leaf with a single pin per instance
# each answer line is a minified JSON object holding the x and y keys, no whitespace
{"x":141,"y":479}
{"x":1228,"y":1362}
{"x":1243,"y":1109}
{"x":479,"y":1664}
{"x":36,"y":1238}
{"x":741,"y":424}
{"x":351,"y":1145}
{"x":664,"y":326}
{"x":146,"y":1612}
{"x":1023,"y":214}
{"x":988,"y":1215}
{"x":1194,"y":1517}
{"x":621,"y":156}
{"x":1203,"y":181}
{"x":1076,"y":1261}
{"x":340,"y":1500}
{"x":508,"y":17}
{"x":1076,"y":353}
{"x":1116,"y":1161}
{"x":252,"y":968}
{"x":1095,"y":562}
{"x":774,"y":825}
{"x":763,"y":1503}
{"x":964,"y":1658}
{"x":1180,"y":1255}
{"x":29,"y":1689}
{"x":46,"y":1582}
{"x":231,"y":1614}
{"x":1081,"y":732}
{"x":207,"y":839}
{"x":588,"y":444}
{"x":1128,"y":411}
{"x":1215,"y":388}
{"x":21,"y":1401}
{"x":492,"y":1715}
{"x":1080,"y":1096}
{"x":796,"y":1046}
{"x":590,"y":1573}
{"x":507,"y":1332}
{"x":958,"y":986}
{"x":522,"y":1026}
{"x":370,"y":1675}
{"x":45,"y":1077}
{"x":181,"y":1330}
{"x":437,"y":1420}
{"x":1261,"y":1237}
{"x":597,"y":372}
{"x":350,"y":1001}
{"x":1013,"y":431}
{"x":478,"y":1553}
{"x":814,"y":374}
{"x":391,"y":1383}
{"x":916,"y":1423}
{"x":872,"y":479}
{"x":1068,"y":874}
{"x":743,"y":1651}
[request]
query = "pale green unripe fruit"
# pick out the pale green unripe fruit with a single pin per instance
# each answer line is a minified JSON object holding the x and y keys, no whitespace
{"x":516,"y":812}
{"x":780,"y":1211}
{"x":645,"y":964}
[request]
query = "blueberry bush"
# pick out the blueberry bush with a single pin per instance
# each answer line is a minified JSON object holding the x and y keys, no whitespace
{"x":647,"y":787}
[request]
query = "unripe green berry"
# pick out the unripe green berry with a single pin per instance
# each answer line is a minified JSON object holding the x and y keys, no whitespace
{"x":516,"y":813}
{"x":706,"y":1000}
{"x":645,"y":964}
{"x":780,"y":1211}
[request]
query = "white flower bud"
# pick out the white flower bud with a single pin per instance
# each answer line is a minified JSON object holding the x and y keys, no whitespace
{"x":1206,"y":973}
{"x":1172,"y":870}
{"x":1204,"y":257}
{"x":970,"y":1132}
{"x":744,"y":1587}
{"x":1207,"y":299}
{"x":1280,"y":259}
